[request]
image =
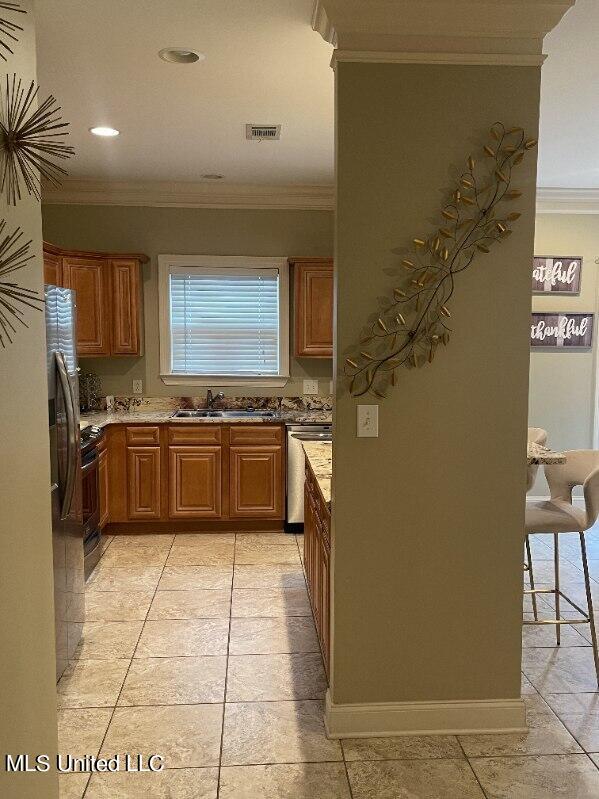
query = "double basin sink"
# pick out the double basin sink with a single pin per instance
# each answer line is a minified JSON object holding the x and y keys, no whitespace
{"x":233,"y":414}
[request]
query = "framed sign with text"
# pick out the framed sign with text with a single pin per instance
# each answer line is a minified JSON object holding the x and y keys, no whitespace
{"x":556,"y":274}
{"x":562,"y":330}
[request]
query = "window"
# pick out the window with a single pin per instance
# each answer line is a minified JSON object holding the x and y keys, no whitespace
{"x":224,"y":320}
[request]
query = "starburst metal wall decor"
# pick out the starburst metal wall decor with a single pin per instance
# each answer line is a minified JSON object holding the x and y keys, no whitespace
{"x":31,"y":140}
{"x":413,"y":323}
{"x":14,"y":255}
{"x":8,"y":28}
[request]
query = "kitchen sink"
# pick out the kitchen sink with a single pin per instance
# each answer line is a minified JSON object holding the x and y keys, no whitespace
{"x":232,"y":414}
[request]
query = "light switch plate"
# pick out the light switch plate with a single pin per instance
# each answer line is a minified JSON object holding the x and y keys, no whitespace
{"x":310,"y":386}
{"x":138,"y":387}
{"x":368,"y":421}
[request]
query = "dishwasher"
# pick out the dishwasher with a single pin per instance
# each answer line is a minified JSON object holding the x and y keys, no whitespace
{"x":296,"y":468}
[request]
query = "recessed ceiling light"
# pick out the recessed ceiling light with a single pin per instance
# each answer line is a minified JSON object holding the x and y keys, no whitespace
{"x":104,"y":131}
{"x":181,"y":55}
{"x":213,"y":176}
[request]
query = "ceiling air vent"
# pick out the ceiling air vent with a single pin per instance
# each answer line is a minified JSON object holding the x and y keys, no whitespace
{"x":261,"y":132}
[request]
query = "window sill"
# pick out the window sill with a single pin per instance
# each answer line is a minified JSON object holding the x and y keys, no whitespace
{"x":219,"y":380}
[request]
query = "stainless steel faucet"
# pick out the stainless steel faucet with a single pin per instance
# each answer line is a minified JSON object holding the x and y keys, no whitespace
{"x":210,"y":400}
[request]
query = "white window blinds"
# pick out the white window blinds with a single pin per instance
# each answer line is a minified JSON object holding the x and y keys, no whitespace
{"x":224,"y":321}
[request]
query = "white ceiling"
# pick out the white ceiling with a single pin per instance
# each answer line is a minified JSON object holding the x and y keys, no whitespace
{"x":264,"y":64}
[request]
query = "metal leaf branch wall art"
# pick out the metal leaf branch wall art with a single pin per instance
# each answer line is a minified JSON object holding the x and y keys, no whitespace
{"x":14,"y":255}
{"x":414,"y":323}
{"x":31,"y":140}
{"x":8,"y":28}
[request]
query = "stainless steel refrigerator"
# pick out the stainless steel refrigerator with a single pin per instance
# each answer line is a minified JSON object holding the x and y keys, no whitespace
{"x":65,"y":456}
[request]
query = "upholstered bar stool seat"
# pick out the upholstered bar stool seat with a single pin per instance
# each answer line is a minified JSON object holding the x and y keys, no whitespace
{"x":555,"y":516}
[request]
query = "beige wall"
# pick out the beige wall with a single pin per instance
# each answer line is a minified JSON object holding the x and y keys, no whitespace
{"x":428,"y":517}
{"x":27,"y":669}
{"x":189,"y":231}
{"x":562,"y":384}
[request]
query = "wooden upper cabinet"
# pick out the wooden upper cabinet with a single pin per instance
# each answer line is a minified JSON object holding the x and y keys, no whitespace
{"x":194,"y":482}
{"x":313,"y":300}
{"x":256,"y":482}
{"x":109,"y":298}
{"x":90,"y":279}
{"x":125,"y":307}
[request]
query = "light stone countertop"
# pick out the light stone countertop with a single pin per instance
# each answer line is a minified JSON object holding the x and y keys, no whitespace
{"x":320,"y":457}
{"x":538,"y":455}
{"x":102,"y":419}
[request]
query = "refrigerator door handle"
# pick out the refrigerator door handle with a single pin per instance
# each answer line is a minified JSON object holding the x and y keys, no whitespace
{"x":72,"y":435}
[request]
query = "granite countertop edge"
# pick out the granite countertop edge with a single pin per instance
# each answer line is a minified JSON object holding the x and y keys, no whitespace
{"x":103,"y":419}
{"x":320,"y":457}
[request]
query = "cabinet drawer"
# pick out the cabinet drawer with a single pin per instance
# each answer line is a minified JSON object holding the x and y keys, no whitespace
{"x":185,"y":434}
{"x":260,"y":434}
{"x":143,"y":436}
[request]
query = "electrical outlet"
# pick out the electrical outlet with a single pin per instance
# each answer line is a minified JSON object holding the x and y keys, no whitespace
{"x":109,"y":402}
{"x":138,"y":387}
{"x":310,"y":386}
{"x":368,"y":421}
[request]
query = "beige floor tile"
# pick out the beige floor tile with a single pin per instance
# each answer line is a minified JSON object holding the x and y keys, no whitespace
{"x":266,"y":539}
{"x":268,"y":678}
{"x":189,"y":578}
{"x":159,"y":540}
{"x":527,"y":687}
{"x":124,"y":578}
{"x":570,"y":670}
{"x":202,"y":539}
{"x":81,"y":730}
{"x":108,"y":640}
{"x":106,"y":541}
{"x":421,"y":779}
{"x":580,"y":714}
{"x":289,"y":781}
{"x":595,"y":759}
{"x":180,"y":638}
{"x":208,"y":555}
{"x":543,"y":635}
{"x":185,"y":735}
{"x":276,"y":732}
{"x":265,"y":553}
{"x":276,"y":575}
{"x":253,"y":602}
{"x":541,"y":777}
{"x":198,"y":604}
{"x":403,"y":747}
{"x":179,"y":783}
{"x":91,"y":683}
{"x":175,"y":681}
{"x":546,"y":736}
{"x":117,"y":605}
{"x":134,"y":556}
{"x":72,"y":786}
{"x":285,"y":634}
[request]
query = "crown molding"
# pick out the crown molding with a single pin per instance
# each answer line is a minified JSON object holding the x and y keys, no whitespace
{"x":567,"y":201}
{"x":190,"y":195}
{"x":476,"y":59}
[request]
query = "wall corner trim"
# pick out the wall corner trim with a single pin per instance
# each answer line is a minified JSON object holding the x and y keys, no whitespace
{"x":385,"y":719}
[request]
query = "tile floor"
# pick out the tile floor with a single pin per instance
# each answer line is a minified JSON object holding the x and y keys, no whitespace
{"x":203,"y":649}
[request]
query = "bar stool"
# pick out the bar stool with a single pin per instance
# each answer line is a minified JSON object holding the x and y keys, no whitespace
{"x":538,"y":436}
{"x":558,"y":516}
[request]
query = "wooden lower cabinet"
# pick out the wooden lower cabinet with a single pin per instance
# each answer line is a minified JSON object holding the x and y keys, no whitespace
{"x":256,"y":482}
{"x":103,"y":486}
{"x":143,"y":482}
{"x":194,"y":482}
{"x":317,"y":556}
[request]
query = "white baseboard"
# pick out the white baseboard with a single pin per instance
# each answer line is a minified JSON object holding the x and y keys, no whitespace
{"x":384,"y":719}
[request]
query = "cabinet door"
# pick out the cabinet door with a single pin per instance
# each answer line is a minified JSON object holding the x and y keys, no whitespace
{"x":103,"y":486}
{"x":125,"y":308}
{"x":314,"y":310}
{"x":194,"y":482}
{"x":324,"y":603}
{"x":52,"y":269}
{"x":90,"y":279}
{"x":256,"y":482}
{"x":143,"y":479}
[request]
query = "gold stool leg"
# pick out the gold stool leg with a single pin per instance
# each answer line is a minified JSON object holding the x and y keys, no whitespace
{"x":531,"y":577}
{"x":591,"y":613}
{"x":558,"y":632}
